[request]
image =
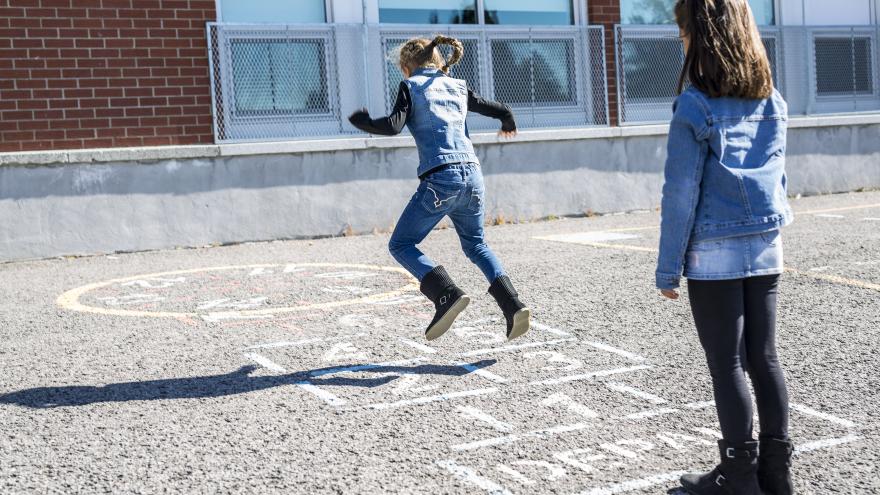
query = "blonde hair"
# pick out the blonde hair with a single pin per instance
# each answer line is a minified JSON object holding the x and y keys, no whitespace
{"x":422,"y":52}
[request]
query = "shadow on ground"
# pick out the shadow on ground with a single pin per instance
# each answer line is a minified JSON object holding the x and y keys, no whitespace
{"x":239,"y":381}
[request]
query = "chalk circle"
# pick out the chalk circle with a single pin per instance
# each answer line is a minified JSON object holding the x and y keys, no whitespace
{"x":71,"y":299}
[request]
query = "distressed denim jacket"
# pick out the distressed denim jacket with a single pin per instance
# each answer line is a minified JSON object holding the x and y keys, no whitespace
{"x":724,"y":175}
{"x":437,"y":120}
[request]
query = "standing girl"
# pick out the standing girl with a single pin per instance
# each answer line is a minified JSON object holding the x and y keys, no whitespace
{"x":434,"y":107}
{"x":724,"y":201}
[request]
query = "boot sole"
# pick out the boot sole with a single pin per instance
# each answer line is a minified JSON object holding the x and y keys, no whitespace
{"x":521,"y":324}
{"x":445,"y":322}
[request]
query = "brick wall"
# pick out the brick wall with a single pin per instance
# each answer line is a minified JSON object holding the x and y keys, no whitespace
{"x":607,"y":13}
{"x":103,"y":73}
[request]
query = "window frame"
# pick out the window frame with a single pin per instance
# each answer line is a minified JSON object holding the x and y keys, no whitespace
{"x":578,"y":8}
{"x":328,"y":12}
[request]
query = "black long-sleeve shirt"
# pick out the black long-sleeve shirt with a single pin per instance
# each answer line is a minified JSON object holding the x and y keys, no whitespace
{"x":394,"y":122}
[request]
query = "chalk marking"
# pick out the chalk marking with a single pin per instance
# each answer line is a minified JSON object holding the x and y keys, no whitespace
{"x":419,"y":346}
{"x":482,"y":372}
{"x":265,"y":362}
{"x":589,"y":237}
{"x":555,"y":357}
{"x":479,"y":415}
{"x":293,"y":268}
{"x":834,"y":279}
{"x":489,"y":442}
{"x":826,"y":215}
{"x":321,"y":394}
{"x":346,"y":289}
{"x":513,"y":473}
{"x":515,"y":347}
{"x":639,"y":484}
{"x":872,"y":219}
{"x":826,"y":443}
{"x":232,"y":315}
{"x":470,"y":476}
{"x":295,"y":343}
{"x":433,"y":398}
{"x":834,"y":210}
{"x":554,"y":472}
{"x":571,"y":405}
{"x":344,"y":351}
{"x":590,"y":376}
{"x":253,"y":302}
{"x":700,"y":405}
{"x":407,"y":384}
{"x":554,"y":331}
{"x":364,"y":367}
{"x":820,"y":269}
{"x":260,"y":270}
{"x":626,"y":389}
{"x":615,"y":350}
{"x":164,"y":283}
{"x":818,"y":414}
{"x":70,"y":300}
{"x":709,"y":432}
{"x":651,"y":413}
{"x":575,"y":458}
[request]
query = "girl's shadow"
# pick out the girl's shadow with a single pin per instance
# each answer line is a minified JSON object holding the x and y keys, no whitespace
{"x":237,"y":382}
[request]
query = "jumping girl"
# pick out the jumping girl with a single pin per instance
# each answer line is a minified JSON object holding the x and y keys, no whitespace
{"x":724,"y":201}
{"x":434,"y":107}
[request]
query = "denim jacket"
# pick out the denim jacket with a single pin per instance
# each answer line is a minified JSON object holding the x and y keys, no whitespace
{"x":724,"y":175}
{"x":437,"y":120}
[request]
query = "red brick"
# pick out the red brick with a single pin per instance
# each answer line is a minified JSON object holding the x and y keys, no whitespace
{"x":79,"y":113}
{"x":80,"y":133}
{"x":33,"y":125}
{"x":27,"y":43}
{"x":141,"y":131}
{"x":32,"y":104}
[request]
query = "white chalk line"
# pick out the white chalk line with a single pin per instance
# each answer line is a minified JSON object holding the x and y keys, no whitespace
{"x":590,"y":376}
{"x":432,"y":398}
{"x":826,"y":215}
{"x":614,"y":350}
{"x":513,"y":473}
{"x":626,"y":389}
{"x":515,"y":347}
{"x":364,"y":367}
{"x":233,"y":315}
{"x":418,"y":346}
{"x":570,"y":404}
{"x":639,"y":484}
{"x":548,"y":329}
{"x":489,"y":442}
{"x":826,"y":443}
{"x":652,"y":413}
{"x":482,"y":372}
{"x":470,"y":476}
{"x":265,"y":362}
{"x":700,"y":405}
{"x":872,"y":219}
{"x":819,"y":414}
{"x":480,"y":415}
{"x":321,"y":394}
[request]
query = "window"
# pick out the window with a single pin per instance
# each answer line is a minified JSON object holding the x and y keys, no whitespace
{"x":529,"y":12}
{"x":468,"y":68}
{"x":273,"y":11}
{"x":534,"y":72}
{"x":651,"y":67}
{"x":279,"y":76}
{"x":843,"y":65}
{"x":661,"y":12}
{"x":435,"y":12}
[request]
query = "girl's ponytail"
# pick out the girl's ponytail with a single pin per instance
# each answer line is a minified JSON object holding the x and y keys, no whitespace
{"x":457,"y":50}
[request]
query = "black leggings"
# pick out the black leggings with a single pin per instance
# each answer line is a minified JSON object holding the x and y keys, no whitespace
{"x":736,"y":322}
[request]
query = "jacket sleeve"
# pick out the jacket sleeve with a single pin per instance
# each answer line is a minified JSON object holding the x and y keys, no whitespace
{"x":494,"y":109}
{"x":389,"y":125}
{"x":687,"y":150}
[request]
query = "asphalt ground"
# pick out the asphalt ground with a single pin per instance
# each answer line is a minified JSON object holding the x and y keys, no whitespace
{"x":300,"y":366}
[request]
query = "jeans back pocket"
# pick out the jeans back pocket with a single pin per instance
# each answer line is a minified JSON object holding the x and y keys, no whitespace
{"x":440,"y":197}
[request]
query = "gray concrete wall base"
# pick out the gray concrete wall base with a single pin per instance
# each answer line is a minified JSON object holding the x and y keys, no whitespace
{"x":49,"y":209}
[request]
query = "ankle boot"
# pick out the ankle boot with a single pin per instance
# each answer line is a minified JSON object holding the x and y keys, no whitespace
{"x":515,"y":312}
{"x":736,"y":475}
{"x":448,"y":301}
{"x":774,"y":464}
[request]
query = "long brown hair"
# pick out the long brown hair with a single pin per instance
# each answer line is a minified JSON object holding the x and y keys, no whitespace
{"x":422,"y":52}
{"x":726,"y":56}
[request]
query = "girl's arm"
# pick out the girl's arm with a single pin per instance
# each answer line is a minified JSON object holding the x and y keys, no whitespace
{"x":386,"y":126}
{"x":687,"y":150}
{"x":493,"y":109}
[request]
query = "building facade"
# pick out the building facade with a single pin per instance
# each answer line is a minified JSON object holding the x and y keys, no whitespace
{"x":117,"y":73}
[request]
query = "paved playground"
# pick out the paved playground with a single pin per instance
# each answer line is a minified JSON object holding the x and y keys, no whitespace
{"x":300,"y":367}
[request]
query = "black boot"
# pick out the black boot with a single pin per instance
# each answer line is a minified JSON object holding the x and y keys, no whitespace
{"x":736,"y":475}
{"x":448,"y":300}
{"x":515,"y":312}
{"x":774,"y":464}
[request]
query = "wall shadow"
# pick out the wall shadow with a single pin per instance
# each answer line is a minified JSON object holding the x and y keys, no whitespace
{"x":236,"y":382}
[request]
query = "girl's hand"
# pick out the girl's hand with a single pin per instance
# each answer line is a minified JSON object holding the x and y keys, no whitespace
{"x":506,"y":134}
{"x":669,"y":293}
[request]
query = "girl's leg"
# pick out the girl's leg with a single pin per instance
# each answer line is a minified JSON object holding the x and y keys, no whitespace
{"x":414,"y":225}
{"x":717,"y":306}
{"x":468,"y":219}
{"x":764,"y":368}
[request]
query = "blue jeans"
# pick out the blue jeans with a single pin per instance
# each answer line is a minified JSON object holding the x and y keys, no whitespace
{"x":456,"y":191}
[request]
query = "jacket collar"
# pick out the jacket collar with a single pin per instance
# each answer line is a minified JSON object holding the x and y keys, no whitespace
{"x":426,"y":71}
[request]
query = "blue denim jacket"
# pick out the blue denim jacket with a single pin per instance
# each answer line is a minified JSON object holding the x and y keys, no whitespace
{"x":724,"y":176}
{"x":438,"y":119}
